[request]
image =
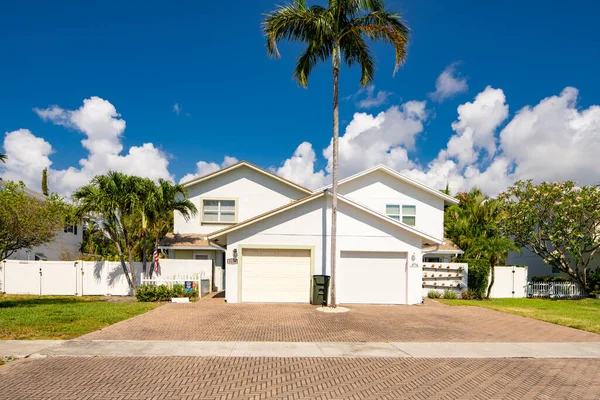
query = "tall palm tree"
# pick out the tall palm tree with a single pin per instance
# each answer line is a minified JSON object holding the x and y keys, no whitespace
{"x":113,"y":198}
{"x":161,"y":203}
{"x":3,"y":157}
{"x":339,"y":31}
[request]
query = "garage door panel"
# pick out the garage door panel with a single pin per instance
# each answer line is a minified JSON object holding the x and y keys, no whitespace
{"x":372,"y":278}
{"x":275,"y":275}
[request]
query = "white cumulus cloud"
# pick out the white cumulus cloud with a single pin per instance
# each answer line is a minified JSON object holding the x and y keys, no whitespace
{"x":371,"y":98}
{"x":205,"y":168}
{"x":552,"y":140}
{"x":103,"y":129}
{"x":449,"y":84}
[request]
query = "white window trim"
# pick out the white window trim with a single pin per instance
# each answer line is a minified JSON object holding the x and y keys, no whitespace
{"x":392,"y":216}
{"x":400,"y":216}
{"x":219,"y":199}
{"x":203,"y":256}
{"x":412,"y":215}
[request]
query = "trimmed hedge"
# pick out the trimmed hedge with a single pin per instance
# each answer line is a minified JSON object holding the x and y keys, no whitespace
{"x":149,"y":293}
{"x":546,"y":279}
{"x":479,"y":272}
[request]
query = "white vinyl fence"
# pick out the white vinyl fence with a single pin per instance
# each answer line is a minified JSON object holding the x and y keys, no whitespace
{"x":509,"y":282}
{"x":555,"y":290}
{"x":89,"y":278}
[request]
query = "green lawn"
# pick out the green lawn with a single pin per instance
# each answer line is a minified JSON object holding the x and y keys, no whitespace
{"x":61,"y":317}
{"x":581,"y":314}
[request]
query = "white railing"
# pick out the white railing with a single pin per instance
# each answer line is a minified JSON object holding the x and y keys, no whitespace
{"x":555,"y":290}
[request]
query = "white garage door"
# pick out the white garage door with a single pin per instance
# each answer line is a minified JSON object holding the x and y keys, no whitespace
{"x":371,"y":278}
{"x":275,"y":276}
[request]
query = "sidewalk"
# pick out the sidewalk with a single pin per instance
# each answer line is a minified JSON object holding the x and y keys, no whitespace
{"x":124,"y":348}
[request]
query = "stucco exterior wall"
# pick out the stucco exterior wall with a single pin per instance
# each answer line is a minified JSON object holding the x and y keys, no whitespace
{"x":65,"y":246}
{"x":377,"y":189}
{"x":308,"y":226}
{"x":536,"y":265}
{"x":256,"y":193}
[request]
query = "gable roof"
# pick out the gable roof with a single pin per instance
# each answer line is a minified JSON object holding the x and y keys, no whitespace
{"x":446,"y":247}
{"x":187,"y":241}
{"x":251,"y":166}
{"x":312,"y":197}
{"x":401,"y":177}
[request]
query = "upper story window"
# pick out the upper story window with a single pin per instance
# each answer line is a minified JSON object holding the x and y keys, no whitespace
{"x":219,"y":211}
{"x":405,"y":213}
{"x":71,"y":228}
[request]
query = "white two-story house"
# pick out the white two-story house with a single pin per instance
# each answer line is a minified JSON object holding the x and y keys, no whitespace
{"x":268,"y":236}
{"x":65,"y":245}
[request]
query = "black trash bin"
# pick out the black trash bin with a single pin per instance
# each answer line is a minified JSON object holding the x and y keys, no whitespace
{"x":320,"y":289}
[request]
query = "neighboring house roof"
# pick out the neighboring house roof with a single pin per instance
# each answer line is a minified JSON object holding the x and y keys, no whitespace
{"x":251,"y":166}
{"x":446,"y":247}
{"x":314,"y":196}
{"x":187,"y":241}
{"x":30,"y":193}
{"x":399,"y":176}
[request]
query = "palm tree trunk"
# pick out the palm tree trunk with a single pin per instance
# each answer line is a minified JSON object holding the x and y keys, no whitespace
{"x":122,"y":259}
{"x":153,"y":265}
{"x":144,"y":254}
{"x":128,"y":247}
{"x":334,"y":186}
{"x":493,"y":275}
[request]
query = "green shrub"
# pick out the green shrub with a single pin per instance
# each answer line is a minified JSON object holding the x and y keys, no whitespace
{"x":178,"y":291}
{"x":146,"y":293}
{"x":547,"y":279}
{"x":450,"y":295}
{"x":479,"y":272}
{"x":150,"y":293}
{"x":470,"y":294}
{"x":434,"y":294}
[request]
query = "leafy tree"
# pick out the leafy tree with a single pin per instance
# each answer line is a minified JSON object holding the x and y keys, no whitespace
{"x":96,"y":242}
{"x":45,"y":181}
{"x":473,"y":225}
{"x":470,"y":220}
{"x":342,"y":30}
{"x":559,"y":222}
{"x":26,"y":221}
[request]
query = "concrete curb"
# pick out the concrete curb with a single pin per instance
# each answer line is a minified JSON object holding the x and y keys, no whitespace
{"x":124,"y":348}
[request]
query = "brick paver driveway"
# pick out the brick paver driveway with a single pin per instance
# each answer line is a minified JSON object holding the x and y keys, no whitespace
{"x":305,"y":378}
{"x":215,"y":320}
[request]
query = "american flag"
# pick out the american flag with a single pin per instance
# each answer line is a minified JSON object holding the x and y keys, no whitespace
{"x":155,"y":256}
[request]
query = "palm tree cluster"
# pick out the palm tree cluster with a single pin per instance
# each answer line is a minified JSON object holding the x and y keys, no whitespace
{"x":129,"y":210}
{"x":474,"y":225}
{"x":340,"y":31}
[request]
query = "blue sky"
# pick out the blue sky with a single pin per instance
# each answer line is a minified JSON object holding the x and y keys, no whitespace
{"x":146,"y":56}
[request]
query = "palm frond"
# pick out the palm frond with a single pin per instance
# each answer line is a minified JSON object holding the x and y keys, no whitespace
{"x":356,"y":51}
{"x":313,"y":53}
{"x":384,"y":26}
{"x":297,"y":23}
{"x":353,"y":7}
{"x":3,"y":157}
